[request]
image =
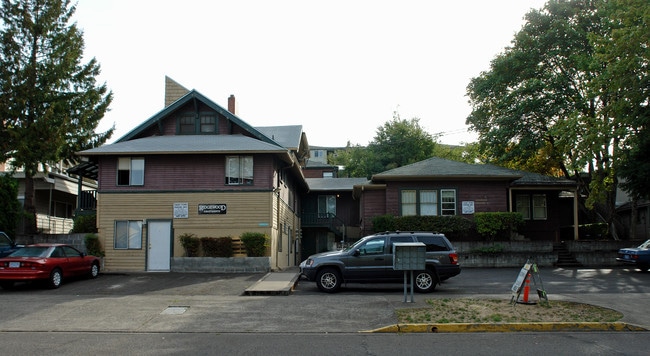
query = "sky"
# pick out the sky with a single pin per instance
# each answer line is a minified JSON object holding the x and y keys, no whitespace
{"x":341,"y":69}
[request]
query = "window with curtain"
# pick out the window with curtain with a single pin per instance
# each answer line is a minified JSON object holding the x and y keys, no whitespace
{"x":128,"y":234}
{"x":239,"y":170}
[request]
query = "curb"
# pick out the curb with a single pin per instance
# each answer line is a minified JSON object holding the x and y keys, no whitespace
{"x":505,"y":327}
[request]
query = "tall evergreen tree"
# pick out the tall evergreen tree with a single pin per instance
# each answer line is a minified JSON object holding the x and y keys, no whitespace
{"x":50,"y":104}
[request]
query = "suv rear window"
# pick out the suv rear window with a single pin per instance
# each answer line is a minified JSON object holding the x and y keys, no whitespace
{"x":434,"y":243}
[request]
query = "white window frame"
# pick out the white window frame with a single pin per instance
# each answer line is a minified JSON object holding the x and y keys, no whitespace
{"x":418,"y":202}
{"x":128,"y":235}
{"x":239,"y":170}
{"x":448,"y":207}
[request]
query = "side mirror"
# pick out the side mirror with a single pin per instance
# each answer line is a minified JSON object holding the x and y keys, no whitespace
{"x":356,"y":253}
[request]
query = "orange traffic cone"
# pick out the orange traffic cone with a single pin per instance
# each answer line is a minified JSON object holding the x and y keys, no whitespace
{"x":526,"y":291}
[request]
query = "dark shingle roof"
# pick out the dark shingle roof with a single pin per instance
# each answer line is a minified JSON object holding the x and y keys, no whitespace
{"x":287,"y":136}
{"x":439,"y":168}
{"x":187,"y":144}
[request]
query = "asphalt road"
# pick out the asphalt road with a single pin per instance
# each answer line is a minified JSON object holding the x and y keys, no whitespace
{"x":173,"y":312}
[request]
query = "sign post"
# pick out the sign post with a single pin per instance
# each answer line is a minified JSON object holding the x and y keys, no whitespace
{"x":409,"y":256}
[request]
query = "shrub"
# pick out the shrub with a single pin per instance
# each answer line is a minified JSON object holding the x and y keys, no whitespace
{"x":217,"y":246}
{"x":255,"y":243}
{"x":190,"y":243}
{"x":93,"y":245}
{"x":451,"y":226}
{"x":491,"y":225}
{"x":84,"y":223}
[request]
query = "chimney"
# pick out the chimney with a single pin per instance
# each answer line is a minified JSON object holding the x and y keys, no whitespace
{"x":231,"y":105}
{"x":173,"y":91}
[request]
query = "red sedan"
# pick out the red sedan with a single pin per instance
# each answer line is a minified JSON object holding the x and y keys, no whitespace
{"x":46,"y":262}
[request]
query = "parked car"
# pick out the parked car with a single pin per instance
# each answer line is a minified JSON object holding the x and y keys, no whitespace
{"x":636,"y":256}
{"x":370,"y":260}
{"x":7,"y":245}
{"x":50,"y":263}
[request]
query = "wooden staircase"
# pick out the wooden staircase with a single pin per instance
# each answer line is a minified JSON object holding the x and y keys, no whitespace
{"x":564,"y":257}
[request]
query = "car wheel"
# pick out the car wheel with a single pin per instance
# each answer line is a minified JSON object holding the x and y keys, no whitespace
{"x":94,"y":270}
{"x":328,"y":280}
{"x":55,"y":279}
{"x":7,"y":284}
{"x":424,"y":281}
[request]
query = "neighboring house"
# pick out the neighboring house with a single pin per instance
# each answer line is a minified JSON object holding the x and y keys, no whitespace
{"x":442,"y":187}
{"x":197,"y":168}
{"x":55,"y":197}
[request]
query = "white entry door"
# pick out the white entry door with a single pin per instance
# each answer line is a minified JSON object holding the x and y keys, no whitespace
{"x":160,"y":245}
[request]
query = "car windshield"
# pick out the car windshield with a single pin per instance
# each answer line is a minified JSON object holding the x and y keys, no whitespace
{"x":356,"y":244}
{"x":31,"y":251}
{"x":645,"y":244}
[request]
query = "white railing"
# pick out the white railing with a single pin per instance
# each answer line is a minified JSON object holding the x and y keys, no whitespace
{"x":53,"y":224}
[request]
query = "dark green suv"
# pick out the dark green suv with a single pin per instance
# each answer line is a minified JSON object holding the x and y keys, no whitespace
{"x":370,"y":260}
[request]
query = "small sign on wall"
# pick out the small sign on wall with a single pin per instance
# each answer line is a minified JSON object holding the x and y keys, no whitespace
{"x":181,"y":211}
{"x":468,"y":207}
{"x":212,"y":208}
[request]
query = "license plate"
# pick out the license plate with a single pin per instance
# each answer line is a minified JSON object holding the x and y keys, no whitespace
{"x":14,"y":264}
{"x":626,"y":257}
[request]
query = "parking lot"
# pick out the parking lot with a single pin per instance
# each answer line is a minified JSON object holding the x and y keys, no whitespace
{"x":196,"y":302}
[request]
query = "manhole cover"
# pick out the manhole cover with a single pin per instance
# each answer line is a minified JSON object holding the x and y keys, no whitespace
{"x":175,"y":310}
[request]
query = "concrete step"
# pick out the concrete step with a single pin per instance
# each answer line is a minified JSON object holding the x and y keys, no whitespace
{"x":275,"y":283}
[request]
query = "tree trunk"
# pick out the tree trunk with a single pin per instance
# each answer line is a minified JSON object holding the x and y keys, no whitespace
{"x":633,"y":217}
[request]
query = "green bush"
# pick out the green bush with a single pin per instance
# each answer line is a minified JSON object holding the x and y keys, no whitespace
{"x":84,"y":223}
{"x":217,"y":246}
{"x":191,"y":244}
{"x":452,"y":226}
{"x":93,"y":245}
{"x":255,"y":243}
{"x":497,"y":224}
{"x":10,"y":209}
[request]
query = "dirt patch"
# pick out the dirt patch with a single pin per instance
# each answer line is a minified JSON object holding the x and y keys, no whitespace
{"x":466,"y":310}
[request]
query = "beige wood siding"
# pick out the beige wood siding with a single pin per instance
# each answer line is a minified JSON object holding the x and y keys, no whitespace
{"x":246,"y":212}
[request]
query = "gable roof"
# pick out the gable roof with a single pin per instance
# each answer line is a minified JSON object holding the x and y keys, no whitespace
{"x":183,"y":144}
{"x":287,"y":136}
{"x":439,"y":168}
{"x":193,"y":96}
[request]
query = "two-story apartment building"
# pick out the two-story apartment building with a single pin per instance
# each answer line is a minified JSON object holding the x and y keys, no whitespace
{"x":197,"y":168}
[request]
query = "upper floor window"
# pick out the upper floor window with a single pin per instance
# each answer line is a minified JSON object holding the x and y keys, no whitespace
{"x":428,"y":202}
{"x":326,"y":206}
{"x":239,"y":170}
{"x":191,"y":124}
{"x":130,"y":171}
